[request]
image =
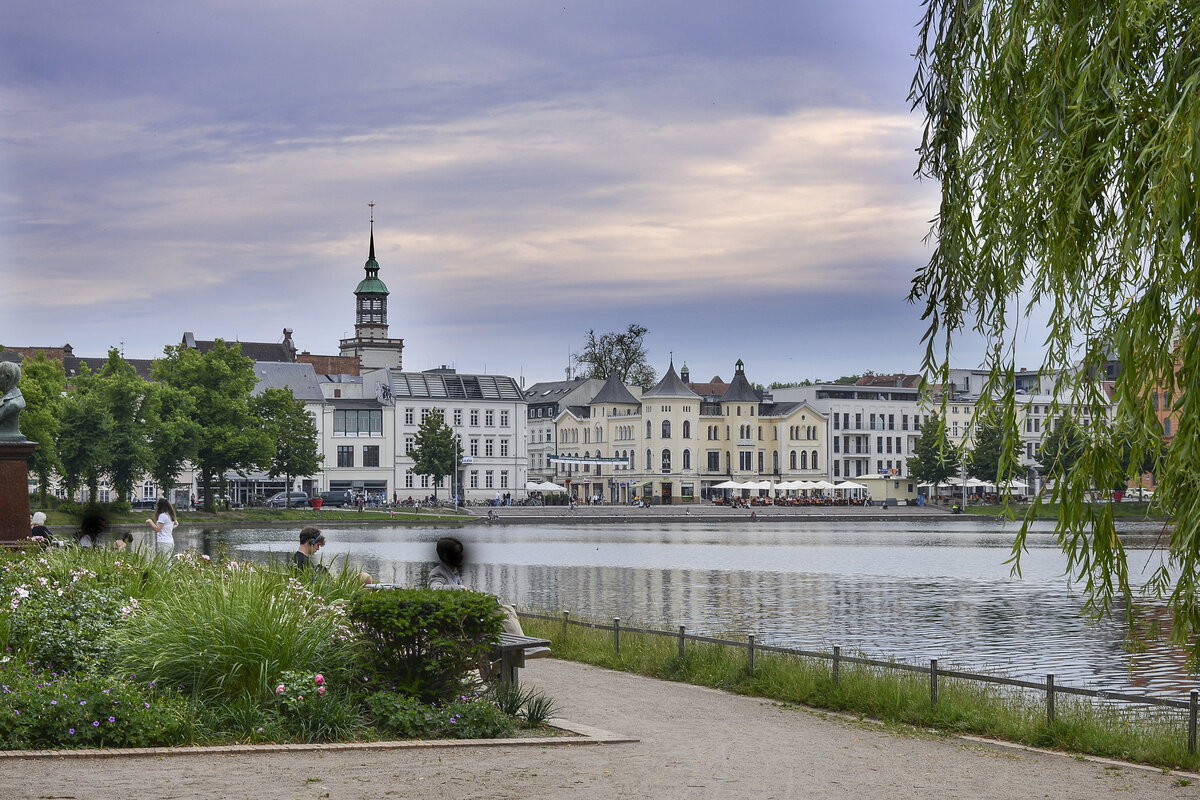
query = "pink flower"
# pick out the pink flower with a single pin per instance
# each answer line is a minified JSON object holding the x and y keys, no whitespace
{"x":320,"y":690}
{"x":319,"y":679}
{"x":300,"y":697}
{"x":280,"y":689}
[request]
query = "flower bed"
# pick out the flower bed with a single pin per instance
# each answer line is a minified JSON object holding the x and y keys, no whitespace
{"x":107,"y":649}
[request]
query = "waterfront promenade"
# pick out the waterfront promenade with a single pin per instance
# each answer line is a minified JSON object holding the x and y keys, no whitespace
{"x":691,"y":742}
{"x":705,"y":512}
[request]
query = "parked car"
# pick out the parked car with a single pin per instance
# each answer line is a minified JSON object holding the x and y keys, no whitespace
{"x":280,"y":499}
{"x":337,"y":497}
{"x":143,"y":502}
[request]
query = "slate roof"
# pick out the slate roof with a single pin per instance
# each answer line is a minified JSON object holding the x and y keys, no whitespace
{"x":740,"y":390}
{"x":300,"y":378}
{"x":614,"y":391}
{"x":670,"y":386}
{"x":258,"y":351}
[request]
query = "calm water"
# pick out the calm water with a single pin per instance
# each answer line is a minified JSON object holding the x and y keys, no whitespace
{"x":914,"y":591}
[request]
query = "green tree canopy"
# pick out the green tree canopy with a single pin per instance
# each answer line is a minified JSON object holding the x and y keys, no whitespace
{"x":294,"y":433}
{"x":995,"y":454}
{"x":127,"y":396}
{"x":623,"y":353}
{"x":84,"y":438}
{"x":173,"y":435}
{"x":934,"y":458}
{"x":42,"y":384}
{"x":219,"y":383}
{"x":1063,"y":444}
{"x":1063,"y":137}
{"x":435,"y":451}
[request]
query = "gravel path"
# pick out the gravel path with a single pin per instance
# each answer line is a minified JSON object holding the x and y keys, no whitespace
{"x":693,"y":743}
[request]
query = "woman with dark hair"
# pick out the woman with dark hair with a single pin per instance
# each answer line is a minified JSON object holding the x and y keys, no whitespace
{"x":90,"y":527}
{"x":164,"y":525}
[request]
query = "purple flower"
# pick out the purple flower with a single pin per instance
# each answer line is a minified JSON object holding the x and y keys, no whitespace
{"x":72,"y":730}
{"x":147,"y":705}
{"x":53,"y":702}
{"x":96,"y":723}
{"x":83,"y":702}
{"x":112,"y":719}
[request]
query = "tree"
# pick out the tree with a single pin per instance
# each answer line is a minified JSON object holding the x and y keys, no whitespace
{"x":996,"y":452}
{"x":435,"y":452}
{"x":219,"y":383}
{"x":934,"y":458}
{"x":1062,"y":446}
{"x":294,"y":433}
{"x":42,"y":383}
{"x":83,"y":440}
{"x":623,"y":353}
{"x":127,"y":396}
{"x":173,"y":436}
{"x":1062,"y":136}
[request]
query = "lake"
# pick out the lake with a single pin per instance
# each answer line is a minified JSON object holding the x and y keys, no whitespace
{"x":913,"y":590}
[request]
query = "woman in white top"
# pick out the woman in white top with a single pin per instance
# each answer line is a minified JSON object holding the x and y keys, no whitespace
{"x":164,"y":525}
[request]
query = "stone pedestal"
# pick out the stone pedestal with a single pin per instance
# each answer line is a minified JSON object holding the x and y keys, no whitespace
{"x":14,"y":490}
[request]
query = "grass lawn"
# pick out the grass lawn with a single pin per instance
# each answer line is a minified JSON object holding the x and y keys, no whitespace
{"x":1129,"y":511}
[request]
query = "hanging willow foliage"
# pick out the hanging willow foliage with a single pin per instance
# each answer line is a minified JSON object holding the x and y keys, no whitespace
{"x":1064,"y":136}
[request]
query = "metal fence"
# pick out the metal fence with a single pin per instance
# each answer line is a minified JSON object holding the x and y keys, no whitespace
{"x":1048,"y":688}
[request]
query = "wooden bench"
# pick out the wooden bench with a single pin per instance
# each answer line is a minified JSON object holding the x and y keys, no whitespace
{"x":510,"y":652}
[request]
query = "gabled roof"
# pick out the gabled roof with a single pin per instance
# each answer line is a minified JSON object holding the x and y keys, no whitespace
{"x":283,"y":351}
{"x":300,"y":378}
{"x":614,"y":391}
{"x":740,"y":390}
{"x":671,"y":386}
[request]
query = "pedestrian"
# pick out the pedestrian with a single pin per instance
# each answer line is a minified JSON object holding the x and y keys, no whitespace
{"x":90,"y":527}
{"x":38,"y":530}
{"x":120,"y":545}
{"x":447,"y":574}
{"x":311,"y":540}
{"x":163,"y":524}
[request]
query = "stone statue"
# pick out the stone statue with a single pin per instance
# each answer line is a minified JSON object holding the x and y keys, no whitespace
{"x":11,"y":402}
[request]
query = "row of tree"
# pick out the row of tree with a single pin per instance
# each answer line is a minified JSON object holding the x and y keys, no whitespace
{"x":995,"y":455}
{"x":199,"y":408}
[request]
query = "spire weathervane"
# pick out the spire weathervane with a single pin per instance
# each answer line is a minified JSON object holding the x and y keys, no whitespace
{"x":372,"y":205}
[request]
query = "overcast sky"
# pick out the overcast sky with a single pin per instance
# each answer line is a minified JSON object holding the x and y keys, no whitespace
{"x":737,"y":177}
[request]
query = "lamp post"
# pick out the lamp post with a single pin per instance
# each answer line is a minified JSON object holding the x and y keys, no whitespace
{"x":454,"y":473}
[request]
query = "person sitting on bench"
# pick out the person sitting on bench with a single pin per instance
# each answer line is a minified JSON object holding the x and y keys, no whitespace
{"x":446,"y":576}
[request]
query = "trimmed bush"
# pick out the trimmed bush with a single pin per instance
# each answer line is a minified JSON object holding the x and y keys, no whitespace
{"x":424,"y":643}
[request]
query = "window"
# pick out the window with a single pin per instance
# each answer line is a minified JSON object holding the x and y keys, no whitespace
{"x":760,"y":460}
{"x":488,"y":446}
{"x":837,"y":441}
{"x":814,"y":460}
{"x":803,"y":459}
{"x":370,"y":455}
{"x":904,"y":422}
{"x":474,"y":479}
{"x":666,"y":429}
{"x":410,"y":442}
{"x":475,"y":416}
{"x":1167,"y":426}
{"x":408,"y":479}
{"x":687,"y":429}
{"x":837,"y":469}
{"x":687,"y":459}
{"x":475,"y":446}
{"x":792,"y":460}
{"x":489,"y":418}
{"x":649,"y":429}
{"x":504,"y":447}
{"x":745,"y":461}
{"x":489,"y":479}
{"x":503,"y":479}
{"x":858,"y":422}
{"x":457,"y":417}
{"x":879,"y":444}
{"x":760,"y":433}
{"x":835,"y":422}
{"x":408,"y":416}
{"x":424,"y":481}
{"x":891,"y":422}
{"x":714,"y":460}
{"x":345,"y":455}
{"x":503,"y":419}
{"x":666,"y":460}
{"x":358,"y":422}
{"x":649,"y":459}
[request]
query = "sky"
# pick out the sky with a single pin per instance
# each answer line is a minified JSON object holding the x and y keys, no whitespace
{"x":736,"y":177}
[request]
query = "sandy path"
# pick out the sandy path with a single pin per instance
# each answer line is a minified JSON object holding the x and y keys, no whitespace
{"x":694,"y":743}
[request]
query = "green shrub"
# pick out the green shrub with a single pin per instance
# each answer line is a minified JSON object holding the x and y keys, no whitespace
{"x":408,"y":718}
{"x":232,"y":630}
{"x":50,"y":710}
{"x":422,"y":642}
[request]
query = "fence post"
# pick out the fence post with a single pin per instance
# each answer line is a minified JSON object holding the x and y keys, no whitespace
{"x":933,"y":682}
{"x":566,"y":621}
{"x":681,"y":640}
{"x":750,"y":648}
{"x":1192,"y":723}
{"x":837,"y":665}
{"x":1050,"y":697}
{"x":617,"y":635}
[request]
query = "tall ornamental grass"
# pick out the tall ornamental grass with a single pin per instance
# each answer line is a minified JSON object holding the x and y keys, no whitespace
{"x":232,"y":631}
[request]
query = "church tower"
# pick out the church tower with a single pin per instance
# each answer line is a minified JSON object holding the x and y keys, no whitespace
{"x":371,"y":345}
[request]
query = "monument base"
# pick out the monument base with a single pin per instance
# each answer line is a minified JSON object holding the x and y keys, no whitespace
{"x":14,"y":490}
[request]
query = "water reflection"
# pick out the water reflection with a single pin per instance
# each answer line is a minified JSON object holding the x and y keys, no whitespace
{"x":925,"y":590}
